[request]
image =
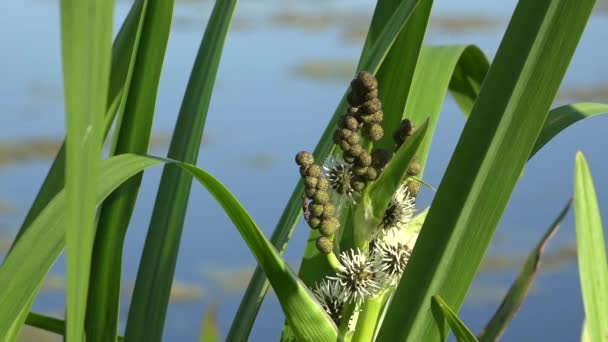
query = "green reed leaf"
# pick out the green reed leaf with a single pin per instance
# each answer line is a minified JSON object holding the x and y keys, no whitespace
{"x":459,"y":329}
{"x":591,"y":247}
{"x":489,"y":157}
{"x":520,"y":287}
{"x":86,"y":35}
{"x":132,"y":135}
{"x":157,"y":266}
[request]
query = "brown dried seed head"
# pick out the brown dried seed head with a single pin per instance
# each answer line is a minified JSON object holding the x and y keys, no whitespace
{"x":360,"y":171}
{"x":414,"y":168}
{"x":380,"y":158}
{"x":314,"y":222}
{"x":348,"y":157}
{"x":329,"y":226}
{"x":367,"y":118}
{"x":349,"y":122}
{"x":371,"y":174}
{"x":316,"y":210}
{"x":364,"y":159}
{"x":358,"y":185}
{"x":303,"y":170}
{"x":304,"y":158}
{"x":310,"y":192}
{"x":372,"y":94}
{"x":374,"y":132}
{"x":329,"y":210}
{"x":354,"y":139}
{"x":345,"y":133}
{"x":355,"y":150}
{"x":413,"y":188}
{"x":344,"y":145}
{"x":310,"y":182}
{"x":313,"y":171}
{"x":378,"y":116}
{"x":365,"y":82}
{"x":371,"y":106}
{"x":321,"y":197}
{"x":354,"y":98}
{"x":322,"y":184}
{"x":325,"y":245}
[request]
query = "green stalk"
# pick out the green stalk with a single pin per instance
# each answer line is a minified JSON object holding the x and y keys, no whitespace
{"x":366,"y":325}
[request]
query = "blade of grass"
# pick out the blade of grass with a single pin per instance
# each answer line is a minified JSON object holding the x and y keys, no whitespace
{"x":157,"y":266}
{"x":46,"y":236}
{"x":86,"y":35}
{"x":122,"y":61}
{"x":210,"y":331}
{"x":372,"y":56}
{"x":591,"y":247}
{"x":50,"y":324}
{"x":122,"y":56}
{"x":460,"y":330}
{"x":132,"y":135}
{"x":519,"y":289}
{"x":488,"y":160}
{"x":562,"y":117}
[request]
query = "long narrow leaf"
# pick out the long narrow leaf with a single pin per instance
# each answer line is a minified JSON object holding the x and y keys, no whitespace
{"x":488,"y":160}
{"x":308,"y":320}
{"x":86,"y":35}
{"x":460,"y":330}
{"x":157,"y":266}
{"x":132,"y":135}
{"x":591,"y":247}
{"x":519,"y":289}
{"x":50,"y":324}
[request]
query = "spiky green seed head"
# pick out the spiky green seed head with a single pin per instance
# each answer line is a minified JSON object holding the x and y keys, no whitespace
{"x":364,"y":82}
{"x":325,"y":245}
{"x":380,"y":158}
{"x":304,"y":158}
{"x":354,"y":138}
{"x":313,"y":171}
{"x":371,"y":174}
{"x":364,"y":159}
{"x":413,"y":187}
{"x":314,"y":222}
{"x":371,"y":106}
{"x":378,"y":116}
{"x":329,"y":210}
{"x":344,"y":145}
{"x":321,"y":197}
{"x":356,"y":150}
{"x":349,"y":122}
{"x":374,"y":131}
{"x":310,"y":192}
{"x":310,"y":182}
{"x":358,"y":185}
{"x":322,"y":184}
{"x":360,"y":171}
{"x":414,"y":168}
{"x":329,"y":226}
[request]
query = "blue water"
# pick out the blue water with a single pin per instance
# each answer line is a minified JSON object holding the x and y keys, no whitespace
{"x":261,"y":111}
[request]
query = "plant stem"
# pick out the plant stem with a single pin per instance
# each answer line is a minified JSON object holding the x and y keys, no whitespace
{"x":366,"y":325}
{"x":347,"y":312}
{"x":333,"y":261}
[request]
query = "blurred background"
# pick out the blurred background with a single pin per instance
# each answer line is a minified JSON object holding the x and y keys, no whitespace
{"x":301,"y":56}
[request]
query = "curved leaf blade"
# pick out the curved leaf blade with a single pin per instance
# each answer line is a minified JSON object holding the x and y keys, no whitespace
{"x":460,"y":330}
{"x":519,"y":289}
{"x":591,"y":247}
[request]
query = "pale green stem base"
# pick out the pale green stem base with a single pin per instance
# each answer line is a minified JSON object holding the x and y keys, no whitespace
{"x":366,"y":325}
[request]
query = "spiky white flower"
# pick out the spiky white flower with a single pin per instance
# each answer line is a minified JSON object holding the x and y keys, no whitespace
{"x":330,"y":294}
{"x":359,"y":276}
{"x":393,"y":256}
{"x":400,"y":210}
{"x":340,"y":176}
